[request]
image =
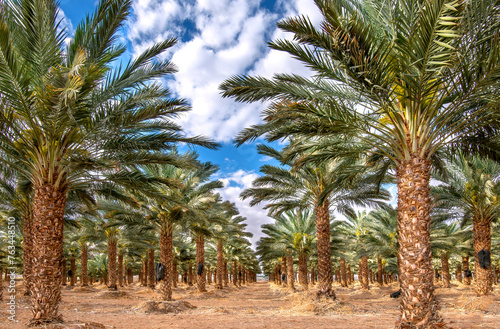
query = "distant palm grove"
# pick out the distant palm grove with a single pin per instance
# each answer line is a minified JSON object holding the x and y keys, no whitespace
{"x":104,"y":185}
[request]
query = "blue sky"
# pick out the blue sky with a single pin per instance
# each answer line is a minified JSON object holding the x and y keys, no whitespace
{"x":217,"y":39}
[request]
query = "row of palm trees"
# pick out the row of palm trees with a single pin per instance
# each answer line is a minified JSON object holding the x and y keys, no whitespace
{"x":88,"y":147}
{"x":396,"y":87}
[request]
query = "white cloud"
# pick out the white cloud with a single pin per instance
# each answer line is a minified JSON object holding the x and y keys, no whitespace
{"x":219,"y":39}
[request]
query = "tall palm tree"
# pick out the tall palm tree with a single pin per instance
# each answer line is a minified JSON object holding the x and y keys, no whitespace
{"x":404,"y":78}
{"x":317,"y":187}
{"x":72,"y":120}
{"x":472,"y":193}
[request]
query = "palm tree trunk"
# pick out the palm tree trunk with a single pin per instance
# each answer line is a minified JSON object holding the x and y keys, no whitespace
{"x":112,"y":263}
{"x":349,"y":275}
{"x":209,"y":275}
{"x":220,"y":264}
{"x":235,"y":274}
{"x":145,"y":271}
{"x":419,"y":306}
{"x":27,"y":251}
{"x":200,"y":259}
{"x":176,"y":271}
{"x":166,"y":253}
{"x":72,"y":263}
{"x":365,"y":283}
{"x":225,"y":273}
{"x":482,"y":241}
{"x":303,"y":271}
{"x":190,"y":274}
{"x":459,"y":273}
{"x":446,"y":270}
{"x":151,"y":268}
{"x":380,"y":280}
{"x":325,"y":278}
{"x":47,"y":229}
{"x":240,"y":274}
{"x":313,"y":274}
{"x":120,"y":268}
{"x":63,"y":271}
{"x":343,"y":273}
{"x":84,"y":256}
{"x":284,"y":270}
{"x":465,"y":265}
{"x":289,"y":262}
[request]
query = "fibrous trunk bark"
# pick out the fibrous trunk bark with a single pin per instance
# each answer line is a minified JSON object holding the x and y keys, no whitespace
{"x":151,"y":268}
{"x":284,"y":271}
{"x":112,"y":263}
{"x":27,"y":251}
{"x":47,"y":229}
{"x":418,"y":305}
{"x":200,"y":262}
{"x":343,"y":273}
{"x":84,"y":260}
{"x":166,"y":254}
{"x":325,"y":278}
{"x":235,"y":274}
{"x":365,"y":283}
{"x":446,"y":270}
{"x":220,"y":264}
{"x":145,"y":271}
{"x":120,"y":268}
{"x":482,"y":242}
{"x":458,"y":273}
{"x":289,"y":261}
{"x":465,"y":265}
{"x":380,"y":280}
{"x":72,"y":267}
{"x":303,"y":271}
{"x":225,"y":273}
{"x":63,"y":272}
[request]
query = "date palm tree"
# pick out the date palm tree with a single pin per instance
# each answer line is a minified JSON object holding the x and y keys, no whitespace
{"x":472,"y":194}
{"x":403,"y":77}
{"x":69,"y":120}
{"x":319,"y":187}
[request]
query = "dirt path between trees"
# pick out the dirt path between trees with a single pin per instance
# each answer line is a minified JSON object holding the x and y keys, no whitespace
{"x":259,"y":305}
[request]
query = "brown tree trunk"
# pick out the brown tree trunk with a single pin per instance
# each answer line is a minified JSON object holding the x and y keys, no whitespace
{"x":365,"y":283}
{"x":120,"y":268}
{"x":175,"y":278}
{"x":446,"y":270}
{"x":343,"y":273}
{"x":72,"y":262}
{"x":47,"y":229}
{"x":349,"y":275}
{"x":64,"y":273}
{"x":151,"y":268}
{"x":27,"y":251}
{"x":200,"y":259}
{"x":225,"y":274}
{"x":419,"y":306}
{"x":145,"y":271}
{"x":84,"y":256}
{"x":465,"y":265}
{"x":312,"y":275}
{"x":324,"y":252}
{"x":240,"y":275}
{"x":459,"y":273}
{"x":482,"y":241}
{"x":303,"y":271}
{"x":190,"y":275}
{"x":112,"y":263}
{"x":166,"y":255}
{"x":235,"y":274}
{"x":284,"y":270}
{"x":380,"y":280}
{"x":220,"y":264}
{"x":209,"y":275}
{"x":289,"y":262}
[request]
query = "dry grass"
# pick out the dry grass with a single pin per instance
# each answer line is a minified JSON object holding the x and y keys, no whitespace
{"x":307,"y":303}
{"x":472,"y":303}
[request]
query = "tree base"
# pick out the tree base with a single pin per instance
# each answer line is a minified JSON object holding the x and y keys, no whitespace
{"x":44,"y":322}
{"x":328,"y":293}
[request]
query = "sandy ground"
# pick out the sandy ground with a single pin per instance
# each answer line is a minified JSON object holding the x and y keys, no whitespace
{"x":260,"y":305}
